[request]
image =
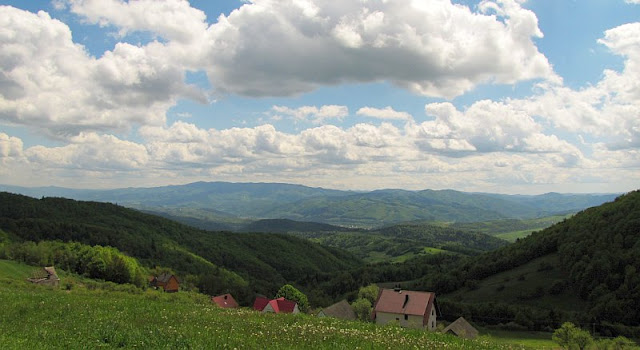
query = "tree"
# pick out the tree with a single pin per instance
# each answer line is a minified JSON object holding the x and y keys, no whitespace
{"x":362,"y":308}
{"x":290,"y":292}
{"x":568,"y":335}
{"x":369,"y":292}
{"x":582,"y":338}
{"x":564,"y":334}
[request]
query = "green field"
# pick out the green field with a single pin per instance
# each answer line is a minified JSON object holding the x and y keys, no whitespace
{"x":536,"y":340}
{"x":39,"y":317}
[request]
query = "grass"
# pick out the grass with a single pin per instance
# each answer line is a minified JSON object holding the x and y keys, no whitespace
{"x":39,"y":317}
{"x":535,"y":340}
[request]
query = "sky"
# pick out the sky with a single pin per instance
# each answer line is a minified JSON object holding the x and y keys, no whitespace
{"x":502,"y":96}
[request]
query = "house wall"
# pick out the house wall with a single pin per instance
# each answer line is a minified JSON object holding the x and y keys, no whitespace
{"x":412,"y":321}
{"x":268,"y":308}
{"x":431,"y":320}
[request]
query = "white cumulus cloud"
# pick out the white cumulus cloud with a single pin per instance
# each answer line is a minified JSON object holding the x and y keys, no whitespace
{"x":431,"y":47}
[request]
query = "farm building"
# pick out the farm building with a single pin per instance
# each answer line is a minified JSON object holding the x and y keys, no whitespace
{"x":46,"y":276}
{"x":341,"y":310}
{"x":280,"y":305}
{"x":168,"y":282}
{"x":225,"y":301}
{"x":461,"y":328}
{"x":408,"y":308}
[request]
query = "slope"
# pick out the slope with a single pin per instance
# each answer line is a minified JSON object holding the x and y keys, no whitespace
{"x":265,"y":260}
{"x":587,"y":264}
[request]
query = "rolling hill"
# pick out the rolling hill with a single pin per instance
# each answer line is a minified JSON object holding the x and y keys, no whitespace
{"x":218,"y":203}
{"x":398,"y":243}
{"x":265,"y":261}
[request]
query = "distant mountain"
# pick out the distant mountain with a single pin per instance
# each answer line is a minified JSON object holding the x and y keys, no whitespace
{"x":212,"y":204}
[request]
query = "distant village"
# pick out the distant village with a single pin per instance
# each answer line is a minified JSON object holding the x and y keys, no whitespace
{"x":406,"y":308}
{"x":410,"y":309}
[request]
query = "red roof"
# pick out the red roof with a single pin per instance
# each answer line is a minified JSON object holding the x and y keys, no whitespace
{"x":225,"y":301}
{"x":260,"y":303}
{"x":280,"y":305}
{"x":404,"y":302}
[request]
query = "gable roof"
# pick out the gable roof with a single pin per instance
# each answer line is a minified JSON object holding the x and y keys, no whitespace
{"x":225,"y":301}
{"x":404,"y":302}
{"x":282,"y":305}
{"x":260,"y":303}
{"x":165,"y":277}
{"x":461,"y":328}
{"x":341,"y":309}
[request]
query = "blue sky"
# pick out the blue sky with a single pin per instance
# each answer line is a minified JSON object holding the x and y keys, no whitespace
{"x":501,"y":96}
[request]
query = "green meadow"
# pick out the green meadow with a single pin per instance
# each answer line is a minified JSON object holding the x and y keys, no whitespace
{"x":85,"y":314}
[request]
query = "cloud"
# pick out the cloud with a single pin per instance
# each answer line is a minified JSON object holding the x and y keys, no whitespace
{"x":91,"y":151}
{"x":313,"y":113}
{"x":433,"y":48}
{"x":608,"y":110}
{"x":487,"y":127}
{"x":386,"y":113}
{"x":173,"y":20}
{"x":50,"y":84}
{"x":10,"y":147}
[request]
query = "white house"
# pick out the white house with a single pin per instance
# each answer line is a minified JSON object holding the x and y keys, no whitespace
{"x":408,"y":308}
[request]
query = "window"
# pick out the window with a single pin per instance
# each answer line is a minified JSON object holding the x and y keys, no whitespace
{"x":433,"y":324}
{"x":406,"y":317}
{"x":397,"y":319}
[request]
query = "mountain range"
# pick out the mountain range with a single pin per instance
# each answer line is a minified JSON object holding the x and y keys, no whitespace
{"x":223,"y":205}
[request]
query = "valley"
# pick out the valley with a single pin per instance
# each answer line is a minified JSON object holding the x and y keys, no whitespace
{"x":579,"y":269}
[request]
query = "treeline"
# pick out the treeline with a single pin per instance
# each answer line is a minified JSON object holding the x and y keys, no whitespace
{"x":105,"y":263}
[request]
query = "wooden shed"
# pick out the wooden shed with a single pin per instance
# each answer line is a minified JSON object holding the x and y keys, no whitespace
{"x":168,"y":282}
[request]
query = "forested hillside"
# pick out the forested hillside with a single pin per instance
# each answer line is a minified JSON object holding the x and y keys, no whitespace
{"x":588,"y":263}
{"x":265,"y":261}
{"x":402,"y":242}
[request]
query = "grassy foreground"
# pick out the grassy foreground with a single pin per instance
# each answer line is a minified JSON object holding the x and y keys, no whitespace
{"x":38,"y":317}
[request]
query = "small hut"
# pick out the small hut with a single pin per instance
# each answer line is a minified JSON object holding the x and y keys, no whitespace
{"x":168,"y":282}
{"x":341,"y":310}
{"x":461,"y":328}
{"x":47,"y":276}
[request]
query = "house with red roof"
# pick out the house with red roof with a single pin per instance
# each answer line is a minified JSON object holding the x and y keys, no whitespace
{"x":280,"y":305}
{"x":407,"y":308}
{"x":225,"y":301}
